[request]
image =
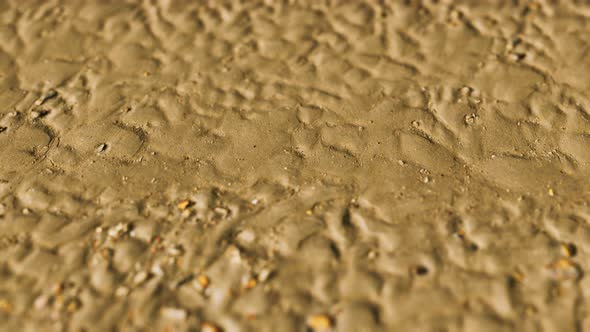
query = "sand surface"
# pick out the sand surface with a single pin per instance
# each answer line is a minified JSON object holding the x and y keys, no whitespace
{"x":292,"y":165}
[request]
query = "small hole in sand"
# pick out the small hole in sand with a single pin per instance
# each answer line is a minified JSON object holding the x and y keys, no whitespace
{"x":571,"y":249}
{"x":421,"y":270}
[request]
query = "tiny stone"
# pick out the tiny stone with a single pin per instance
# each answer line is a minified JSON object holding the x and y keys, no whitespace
{"x":41,"y":302}
{"x":221,"y":212}
{"x":73,"y":305}
{"x":102,"y":148}
{"x":208,"y":327}
{"x":203,"y":281}
{"x":319,"y":322}
{"x":569,"y":249}
{"x":39,"y":114}
{"x":565,"y":269}
{"x":140,"y":277}
{"x":173,"y":313}
{"x":246,"y":236}
{"x":157,"y":270}
{"x":249,"y":283}
{"x":469,"y":119}
{"x":185,"y":204}
{"x":264,"y":275}
{"x":118,"y":230}
{"x":175,"y":250}
{"x":122,"y":291}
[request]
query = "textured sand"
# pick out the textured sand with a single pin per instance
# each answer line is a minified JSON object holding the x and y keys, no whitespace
{"x":283,"y":166}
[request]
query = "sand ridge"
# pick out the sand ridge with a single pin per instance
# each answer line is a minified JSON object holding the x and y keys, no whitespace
{"x":283,"y":165}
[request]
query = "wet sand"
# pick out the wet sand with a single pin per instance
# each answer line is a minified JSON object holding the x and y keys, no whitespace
{"x":293,"y":165}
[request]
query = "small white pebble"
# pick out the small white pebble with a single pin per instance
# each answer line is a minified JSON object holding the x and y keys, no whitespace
{"x":246,"y":236}
{"x":122,"y":291}
{"x":41,"y":302}
{"x":173,"y":313}
{"x":221,"y":212}
{"x":264,"y":274}
{"x":371,"y":255}
{"x":140,"y":277}
{"x":157,"y":270}
{"x":175,"y":250}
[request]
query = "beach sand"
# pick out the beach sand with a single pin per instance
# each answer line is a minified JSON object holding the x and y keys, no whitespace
{"x":294,"y":165}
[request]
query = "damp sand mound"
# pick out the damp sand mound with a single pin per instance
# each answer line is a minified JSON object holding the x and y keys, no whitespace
{"x":293,"y":165}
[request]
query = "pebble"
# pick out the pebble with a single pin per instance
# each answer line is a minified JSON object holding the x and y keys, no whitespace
{"x":319,"y":322}
{"x":516,"y":277}
{"x":469,"y":119}
{"x":140,"y":278}
{"x":203,"y":281}
{"x":173,"y":313}
{"x":175,"y":250}
{"x":39,"y":114}
{"x":249,"y":283}
{"x":185,"y":204}
{"x":122,"y":291}
{"x":465,"y":90}
{"x":565,"y":269}
{"x":209,"y":327}
{"x":569,"y":249}
{"x":73,"y":305}
{"x":246,"y":236}
{"x":41,"y":302}
{"x":264,"y":274}
{"x":101,"y":148}
{"x":157,"y":270}
{"x":221,"y":212}
{"x":118,"y":230}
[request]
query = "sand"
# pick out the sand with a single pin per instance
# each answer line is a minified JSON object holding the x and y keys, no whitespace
{"x":294,"y":165}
